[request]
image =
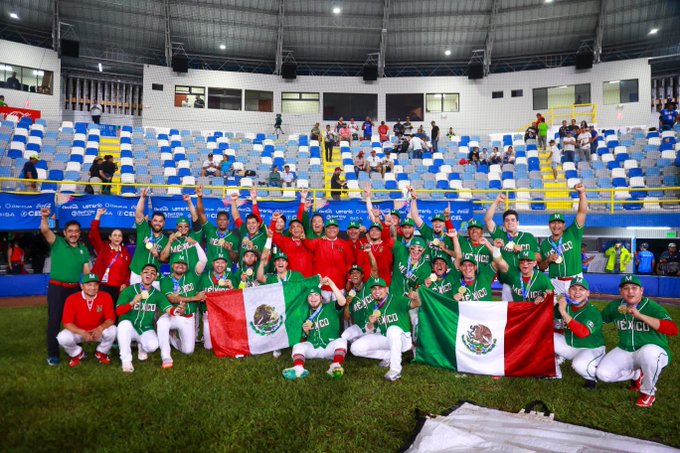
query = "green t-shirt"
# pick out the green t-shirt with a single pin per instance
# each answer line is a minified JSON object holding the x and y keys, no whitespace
{"x":406,"y":275}
{"x":571,"y":250}
{"x":182,"y":246}
{"x":67,"y":262}
{"x":143,"y":314}
{"x":291,"y":276}
{"x":538,"y":285}
{"x":447,"y":286}
{"x":394,"y":312}
{"x":633,"y":333}
{"x":480,"y":252}
{"x":525,"y":240}
{"x":326,"y":325}
{"x":590,"y":317}
{"x":427,"y":233}
{"x":361,"y":306}
{"x":480,"y":289}
{"x":212,"y":238}
{"x":184,"y":286}
{"x":142,"y":256}
{"x":543,"y":129}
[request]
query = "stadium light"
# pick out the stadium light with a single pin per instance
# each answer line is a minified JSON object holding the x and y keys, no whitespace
{"x":337,"y":10}
{"x":222,"y":46}
{"x":548,"y":1}
{"x":653,"y":31}
{"x":447,"y":52}
{"x":100,"y":67}
{"x":14,"y":15}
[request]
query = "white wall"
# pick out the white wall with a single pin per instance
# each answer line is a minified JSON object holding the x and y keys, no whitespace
{"x":479,"y":113}
{"x":16,"y":54}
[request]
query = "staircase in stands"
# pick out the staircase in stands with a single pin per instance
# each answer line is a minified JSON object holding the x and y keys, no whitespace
{"x":329,"y":168}
{"x":111,"y":145}
{"x":549,"y":183}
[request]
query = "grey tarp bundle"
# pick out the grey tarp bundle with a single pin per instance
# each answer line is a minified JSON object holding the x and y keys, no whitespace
{"x":471,"y":428}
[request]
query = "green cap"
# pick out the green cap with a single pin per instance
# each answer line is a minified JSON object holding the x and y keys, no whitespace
{"x":34,"y":156}
{"x":182,"y":220}
{"x":178,"y":258}
{"x":280,"y":256}
{"x":469,"y":257}
{"x":315,"y":290}
{"x":220,"y":256}
{"x":441,"y":256}
{"x":439,"y":217}
{"x":377,"y":225}
{"x":150,"y":265}
{"x":376,"y":282}
{"x":408,"y":222}
{"x":580,"y":281}
{"x":355,"y":267}
{"x":527,"y":255}
{"x":331,"y":222}
{"x":474,"y":223}
{"x":91,"y":277}
{"x":556,"y":217}
{"x":629,"y":279}
{"x":418,"y":241}
{"x":395,"y":212}
{"x":353,"y":224}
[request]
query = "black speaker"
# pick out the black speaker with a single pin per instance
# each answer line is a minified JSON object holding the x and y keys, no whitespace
{"x":475,"y":71}
{"x":289,"y":70}
{"x":180,"y":63}
{"x":70,"y":48}
{"x":370,"y":73}
{"x":584,"y":60}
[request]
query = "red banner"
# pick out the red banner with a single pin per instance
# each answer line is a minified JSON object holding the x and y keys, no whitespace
{"x":19,"y":113}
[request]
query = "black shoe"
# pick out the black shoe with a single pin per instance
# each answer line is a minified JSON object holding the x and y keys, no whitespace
{"x":590,"y":385}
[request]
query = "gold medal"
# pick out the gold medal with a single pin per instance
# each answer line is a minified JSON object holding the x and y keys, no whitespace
{"x":376,"y":313}
{"x":144,"y":294}
{"x":149,"y":246}
{"x":222,"y":282}
{"x":433,"y":277}
{"x":623,"y":309}
{"x":462,"y":290}
{"x":308,"y":324}
{"x":559,"y":260}
{"x":436,"y":242}
{"x":510,"y":245}
{"x":352,"y":293}
{"x":220,"y":242}
{"x":249,"y":272}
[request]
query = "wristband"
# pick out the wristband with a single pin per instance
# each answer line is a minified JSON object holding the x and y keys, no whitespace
{"x":496,"y":253}
{"x":172,"y":311}
{"x":268,"y":243}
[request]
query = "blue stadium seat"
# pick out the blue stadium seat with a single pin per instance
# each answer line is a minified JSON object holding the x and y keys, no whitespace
{"x":613,"y":164}
{"x":128,"y":190}
{"x":452,"y":195}
{"x":78,"y":144}
{"x":537,"y":204}
{"x":76,"y":158}
{"x":483,"y":168}
{"x":168,"y":164}
{"x":634,"y":172}
{"x":127,"y":169}
{"x":454,"y":175}
{"x":124,"y":141}
{"x":494,"y":184}
{"x":571,"y":174}
{"x":123,"y":153}
{"x":506,"y":175}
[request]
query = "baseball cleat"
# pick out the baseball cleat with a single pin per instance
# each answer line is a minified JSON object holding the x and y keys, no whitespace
{"x":335,"y":371}
{"x":645,"y":400}
{"x":75,"y":361}
{"x":53,"y":361}
{"x":141,"y":355}
{"x":167,"y":363}
{"x":385,"y":363}
{"x":635,"y":384}
{"x":392,"y":375}
{"x":291,"y":373}
{"x":590,"y":385}
{"x":127,"y":367}
{"x":103,"y":358}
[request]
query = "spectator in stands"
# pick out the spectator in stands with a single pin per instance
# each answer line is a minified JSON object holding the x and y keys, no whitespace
{"x":15,"y":258}
{"x":668,"y":116}
{"x":496,"y":157}
{"x":96,"y":111}
{"x":450,"y":133}
{"x":278,"y":121}
{"x":669,"y":261}
{"x":644,"y":260}
{"x":274,"y":177}
{"x":539,"y":118}
{"x":484,"y":157}
{"x":360,"y":163}
{"x":199,"y":103}
{"x":584,"y":125}
{"x":408,"y":127}
{"x":531,"y":134}
{"x":345,"y":133}
{"x":593,"y":140}
{"x":374,"y":163}
{"x":30,"y":172}
{"x":585,"y":259}
{"x":542,"y":134}
{"x":96,"y":175}
{"x":337,"y":184}
{"x":210,"y":167}
{"x":421,"y":132}
{"x":473,"y":156}
{"x":339,"y":125}
{"x":574,"y":128}
{"x":330,"y":138}
{"x":109,"y":167}
{"x":367,"y":127}
{"x":316,"y":133}
{"x":2,"y":101}
{"x":584,"y":144}
{"x":354,"y":129}
{"x":287,"y":177}
{"x":387,"y":163}
{"x":434,"y":137}
{"x":12,"y":82}
{"x":569,"y":146}
{"x":617,"y":258}
{"x":383,"y":131}
{"x":562,"y":132}
{"x":509,"y":156}
{"x":226,"y":165}
{"x":398,"y":128}
{"x":555,"y":158}
{"x":417,"y":146}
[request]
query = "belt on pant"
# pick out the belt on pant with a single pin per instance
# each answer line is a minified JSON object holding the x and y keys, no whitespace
{"x":65,"y":285}
{"x":566,"y":279}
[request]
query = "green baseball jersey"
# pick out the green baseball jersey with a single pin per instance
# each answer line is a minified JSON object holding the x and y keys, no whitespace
{"x":291,"y":276}
{"x":525,"y":240}
{"x":590,"y":317}
{"x":360,"y":306}
{"x":143,"y":256}
{"x":407,"y":275}
{"x":210,"y":283}
{"x":326,"y":325}
{"x":537,"y":286}
{"x":143,"y":313}
{"x":480,"y":289}
{"x":182,"y":247}
{"x":427,"y":233}
{"x":480,"y":252}
{"x":633,"y":333}
{"x":447,"y":286}
{"x":258,"y":239}
{"x":569,"y":246}
{"x":184,"y":286}
{"x":251,"y":280}
{"x":394,"y":312}
{"x":67,"y":261}
{"x":212,"y":239}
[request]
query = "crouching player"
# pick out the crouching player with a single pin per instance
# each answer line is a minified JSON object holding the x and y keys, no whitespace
{"x":582,"y":341}
{"x":388,"y":330}
{"x":642,"y":353}
{"x":320,"y":334}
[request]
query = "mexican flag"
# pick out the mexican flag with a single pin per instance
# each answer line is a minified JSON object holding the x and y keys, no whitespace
{"x":258,"y":319}
{"x":494,"y":338}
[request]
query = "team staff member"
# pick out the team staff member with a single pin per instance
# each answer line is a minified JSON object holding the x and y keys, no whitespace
{"x":69,"y":260}
{"x":300,"y":258}
{"x":219,"y":240}
{"x":528,"y":284}
{"x":333,"y":257}
{"x":381,"y":248}
{"x":112,"y":265}
{"x":88,"y":316}
{"x":513,"y":240}
{"x":642,"y":353}
{"x":150,"y":240}
{"x":561,"y":251}
{"x":582,"y":341}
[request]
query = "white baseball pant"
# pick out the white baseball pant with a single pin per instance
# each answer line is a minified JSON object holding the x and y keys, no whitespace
{"x":562,"y":286}
{"x":184,"y":327}
{"x":583,"y":361}
{"x":413,"y":316}
{"x":506,"y":293}
{"x":306,"y":350}
{"x":207,"y":341}
{"x":387,"y":347}
{"x":619,"y":365}
{"x":352,"y":333}
{"x":71,"y":341}
{"x":148,"y":340}
{"x":136,"y":278}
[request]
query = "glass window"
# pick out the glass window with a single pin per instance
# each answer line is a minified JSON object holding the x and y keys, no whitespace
{"x":560,"y":96}
{"x":441,"y":102}
{"x":620,"y":91}
{"x":349,"y":105}
{"x":299,"y":103}
{"x":496,"y":94}
{"x":191,"y":97}
{"x":224,"y":99}
{"x":259,"y":101}
{"x":25,"y":79}
{"x":517,"y":93}
{"x":399,"y":106}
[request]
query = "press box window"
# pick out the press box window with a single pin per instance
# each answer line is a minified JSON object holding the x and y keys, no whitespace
{"x":189,"y":97}
{"x":259,"y":101}
{"x":620,"y":91}
{"x":299,"y":103}
{"x":224,"y":99}
{"x":496,"y":94}
{"x":442,"y":102}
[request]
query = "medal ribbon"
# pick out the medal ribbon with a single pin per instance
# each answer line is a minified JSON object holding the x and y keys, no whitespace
{"x":465,"y":285}
{"x":379,"y":305}
{"x":175,"y":284}
{"x":556,"y":247}
{"x":112,"y":262}
{"x":315,"y":314}
{"x":525,"y":290}
{"x":285,"y":279}
{"x":410,"y":269}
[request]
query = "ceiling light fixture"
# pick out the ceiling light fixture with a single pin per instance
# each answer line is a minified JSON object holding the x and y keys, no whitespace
{"x":14,"y":15}
{"x":222,"y":46}
{"x":548,"y":1}
{"x":447,"y":52}
{"x":336,"y":10}
{"x":100,"y":67}
{"x":653,"y":31}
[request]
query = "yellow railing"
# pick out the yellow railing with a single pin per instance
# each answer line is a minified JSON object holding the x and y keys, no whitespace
{"x":479,"y":203}
{"x":558,"y":113}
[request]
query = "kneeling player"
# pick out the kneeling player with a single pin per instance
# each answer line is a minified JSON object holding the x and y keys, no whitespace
{"x":582,"y":341}
{"x":529,"y":285}
{"x":388,"y":330}
{"x":320,"y":334}
{"x":642,"y":352}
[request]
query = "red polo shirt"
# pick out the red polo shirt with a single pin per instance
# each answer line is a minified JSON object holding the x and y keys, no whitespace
{"x":76,"y":310}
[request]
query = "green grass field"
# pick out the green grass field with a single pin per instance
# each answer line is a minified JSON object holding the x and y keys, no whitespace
{"x":210,"y":404}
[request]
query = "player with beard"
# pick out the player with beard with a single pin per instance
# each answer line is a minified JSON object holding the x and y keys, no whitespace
{"x":357,"y":295}
{"x":253,"y":235}
{"x":476,"y":278}
{"x":381,"y":248}
{"x":219,"y":240}
{"x":435,"y":236}
{"x":354,"y":240}
{"x":150,"y":240}
{"x":247,"y":275}
{"x":220,"y":278}
{"x":411,"y":267}
{"x":300,"y":258}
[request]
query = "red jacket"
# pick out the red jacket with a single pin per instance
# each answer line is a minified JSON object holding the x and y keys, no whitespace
{"x":119,"y":273}
{"x":332,"y":259}
{"x":384,"y":257}
{"x":299,"y":257}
